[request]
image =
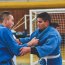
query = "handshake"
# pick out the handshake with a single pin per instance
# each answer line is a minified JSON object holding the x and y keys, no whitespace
{"x":25,"y":50}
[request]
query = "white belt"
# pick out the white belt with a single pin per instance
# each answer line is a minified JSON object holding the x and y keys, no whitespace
{"x":51,"y":57}
{"x":47,"y":57}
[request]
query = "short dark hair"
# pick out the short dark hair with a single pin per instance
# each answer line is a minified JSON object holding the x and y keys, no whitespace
{"x":45,"y":16}
{"x":4,"y":14}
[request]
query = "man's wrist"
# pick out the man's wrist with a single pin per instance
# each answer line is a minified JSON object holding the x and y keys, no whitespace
{"x":29,"y":49}
{"x":29,"y":44}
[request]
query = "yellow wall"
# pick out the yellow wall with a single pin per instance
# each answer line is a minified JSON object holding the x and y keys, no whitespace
{"x":48,"y":4}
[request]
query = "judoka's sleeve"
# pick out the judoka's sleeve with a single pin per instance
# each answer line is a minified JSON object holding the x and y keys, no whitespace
{"x":11,"y":44}
{"x":49,"y":46}
{"x":24,"y":40}
{"x":27,"y":39}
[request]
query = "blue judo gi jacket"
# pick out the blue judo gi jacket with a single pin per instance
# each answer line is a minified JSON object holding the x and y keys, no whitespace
{"x":49,"y":45}
{"x":8,"y":46}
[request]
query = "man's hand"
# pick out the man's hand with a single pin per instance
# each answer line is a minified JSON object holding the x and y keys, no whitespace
{"x":25,"y":50}
{"x":33,"y":42}
{"x":17,"y":40}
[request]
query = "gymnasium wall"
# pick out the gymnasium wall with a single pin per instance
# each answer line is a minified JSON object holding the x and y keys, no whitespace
{"x":18,"y":14}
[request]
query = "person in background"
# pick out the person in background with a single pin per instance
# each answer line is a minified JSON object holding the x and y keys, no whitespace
{"x":8,"y":45}
{"x":49,"y":41}
{"x":25,"y":33}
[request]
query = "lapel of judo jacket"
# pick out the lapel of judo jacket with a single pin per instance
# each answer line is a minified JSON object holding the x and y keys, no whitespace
{"x":43,"y":35}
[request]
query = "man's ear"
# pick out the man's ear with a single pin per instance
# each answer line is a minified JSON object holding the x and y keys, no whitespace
{"x":5,"y":20}
{"x":47,"y":22}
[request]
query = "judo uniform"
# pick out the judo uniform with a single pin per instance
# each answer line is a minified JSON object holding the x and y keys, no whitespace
{"x":49,"y":45}
{"x":8,"y":46}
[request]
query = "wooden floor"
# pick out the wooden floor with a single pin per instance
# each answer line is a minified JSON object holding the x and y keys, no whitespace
{"x":26,"y":58}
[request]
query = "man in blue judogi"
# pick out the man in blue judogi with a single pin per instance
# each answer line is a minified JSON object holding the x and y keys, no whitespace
{"x":48,"y":48}
{"x":8,"y":45}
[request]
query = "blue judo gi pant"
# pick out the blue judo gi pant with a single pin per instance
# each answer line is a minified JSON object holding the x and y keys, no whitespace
{"x":10,"y":62}
{"x":54,"y":61}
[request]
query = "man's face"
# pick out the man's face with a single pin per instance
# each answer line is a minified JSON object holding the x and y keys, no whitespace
{"x":10,"y":21}
{"x":41,"y":23}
